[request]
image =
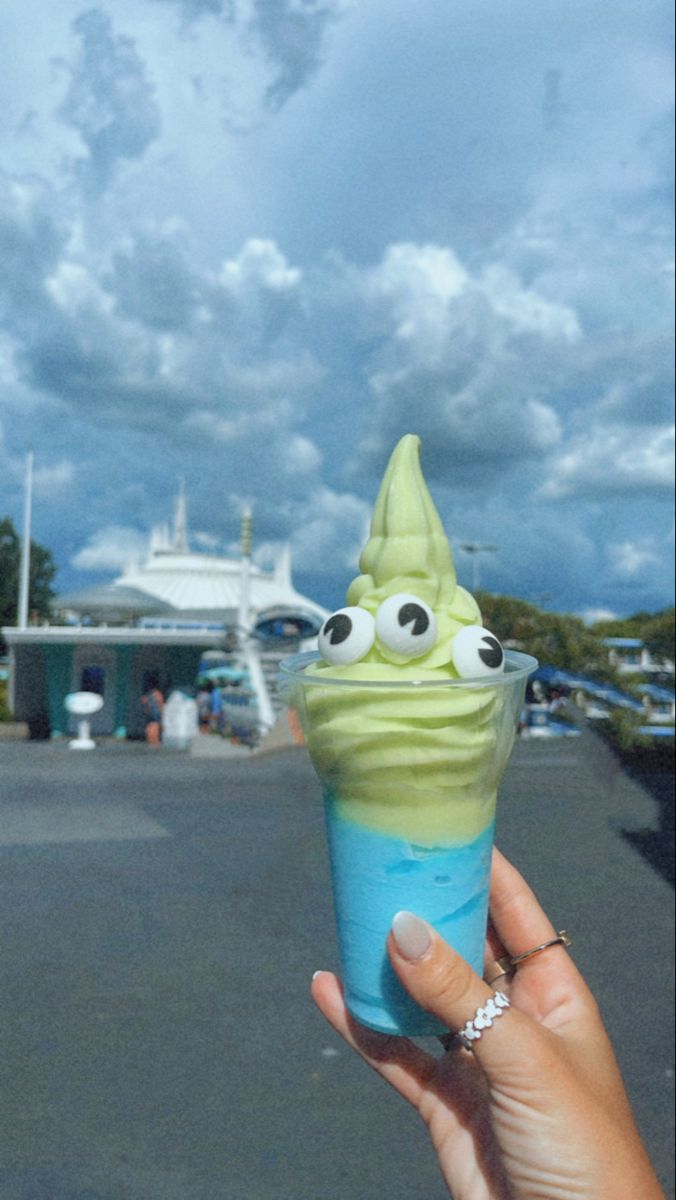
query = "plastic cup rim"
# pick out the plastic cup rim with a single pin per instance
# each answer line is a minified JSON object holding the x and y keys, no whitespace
{"x":518,"y":666}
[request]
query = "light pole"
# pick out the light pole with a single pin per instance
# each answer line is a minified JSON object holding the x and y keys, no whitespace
{"x":248,"y":644}
{"x":25,"y":568}
{"x":476,"y":549}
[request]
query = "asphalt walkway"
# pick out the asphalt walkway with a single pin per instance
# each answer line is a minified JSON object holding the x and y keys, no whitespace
{"x":161,"y":917}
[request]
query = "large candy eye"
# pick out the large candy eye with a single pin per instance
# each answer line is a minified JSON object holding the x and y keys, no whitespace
{"x":477,"y":652}
{"x":406,"y":625}
{"x":347,"y":636}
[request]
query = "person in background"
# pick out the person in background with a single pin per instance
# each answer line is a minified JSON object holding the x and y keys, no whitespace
{"x":216,"y":718}
{"x":203,"y":699}
{"x":153,"y":703}
{"x":556,"y":700}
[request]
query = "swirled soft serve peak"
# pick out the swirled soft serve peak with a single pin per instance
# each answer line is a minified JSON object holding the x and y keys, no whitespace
{"x":409,"y":712}
{"x":406,"y":607}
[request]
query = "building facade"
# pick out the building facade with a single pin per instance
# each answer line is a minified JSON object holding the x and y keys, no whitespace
{"x":154,"y":623}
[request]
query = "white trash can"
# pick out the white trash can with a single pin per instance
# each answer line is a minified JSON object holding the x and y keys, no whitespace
{"x":179,"y":721}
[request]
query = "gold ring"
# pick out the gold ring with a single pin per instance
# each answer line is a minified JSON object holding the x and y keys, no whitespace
{"x":504,"y":966}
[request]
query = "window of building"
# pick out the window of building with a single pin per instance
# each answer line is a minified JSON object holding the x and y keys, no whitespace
{"x":93,"y":679}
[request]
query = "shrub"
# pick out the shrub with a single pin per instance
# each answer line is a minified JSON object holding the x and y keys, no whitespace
{"x":5,"y":712}
{"x":624,"y":727}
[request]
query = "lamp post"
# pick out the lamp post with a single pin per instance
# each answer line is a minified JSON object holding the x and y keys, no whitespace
{"x":247,"y":643}
{"x":476,"y":549}
{"x":24,"y":573}
{"x":244,"y":614}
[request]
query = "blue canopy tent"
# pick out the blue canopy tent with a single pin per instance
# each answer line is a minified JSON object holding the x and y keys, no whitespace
{"x":655,"y":692}
{"x":555,"y":676}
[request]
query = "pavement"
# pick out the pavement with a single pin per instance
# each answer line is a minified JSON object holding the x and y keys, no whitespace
{"x":162,"y":914}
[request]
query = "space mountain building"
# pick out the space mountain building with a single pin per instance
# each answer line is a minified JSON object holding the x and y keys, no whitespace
{"x":158,"y":621}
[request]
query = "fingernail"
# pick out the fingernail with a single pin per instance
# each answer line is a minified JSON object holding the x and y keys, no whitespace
{"x":412,"y":935}
{"x":317,"y":973}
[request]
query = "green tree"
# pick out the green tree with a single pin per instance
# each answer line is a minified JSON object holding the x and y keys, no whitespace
{"x":624,"y":729}
{"x":556,"y":639}
{"x":659,"y":635}
{"x":42,"y":572}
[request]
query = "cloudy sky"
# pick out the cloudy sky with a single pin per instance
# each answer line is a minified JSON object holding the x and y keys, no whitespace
{"x":252,"y":242}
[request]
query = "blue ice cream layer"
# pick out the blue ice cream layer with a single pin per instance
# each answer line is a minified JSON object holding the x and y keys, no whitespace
{"x":374,"y":876}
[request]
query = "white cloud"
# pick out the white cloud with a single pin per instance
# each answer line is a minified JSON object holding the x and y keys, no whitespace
{"x":207,"y":542}
{"x":431,"y":300}
{"x":631,"y":558}
{"x":476,"y":429}
{"x":525,"y":309}
{"x":301,"y":456}
{"x":116,"y":335}
{"x":8,"y":369}
{"x":503,"y":230}
{"x":418,"y":284}
{"x":152,"y":281}
{"x":613,"y":460}
{"x":278,"y":377}
{"x":111,"y":548}
{"x":270,"y":49}
{"x":194,"y":9}
{"x":53,"y":478}
{"x":543,"y":425}
{"x":456,"y":367}
{"x":292,"y":35}
{"x":110,"y":101}
{"x":329,"y":531}
{"x":265,"y":554}
{"x":590,"y":616}
{"x":210,"y":426}
{"x":73,"y":288}
{"x":259,"y":264}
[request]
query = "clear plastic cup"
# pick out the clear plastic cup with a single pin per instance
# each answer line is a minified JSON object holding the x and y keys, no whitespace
{"x":410,"y":773}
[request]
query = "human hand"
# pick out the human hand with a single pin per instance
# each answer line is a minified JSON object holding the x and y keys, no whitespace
{"x":537,"y":1110}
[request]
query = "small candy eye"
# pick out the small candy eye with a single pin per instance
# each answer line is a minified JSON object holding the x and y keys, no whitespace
{"x":477,"y":652}
{"x":406,"y":625}
{"x":346,"y":636}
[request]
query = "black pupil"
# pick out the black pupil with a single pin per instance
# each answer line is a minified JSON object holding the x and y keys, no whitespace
{"x":338,"y":628}
{"x":414,"y":614}
{"x":490,"y":652}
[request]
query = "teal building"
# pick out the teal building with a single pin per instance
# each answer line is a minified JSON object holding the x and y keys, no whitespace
{"x":154,"y":623}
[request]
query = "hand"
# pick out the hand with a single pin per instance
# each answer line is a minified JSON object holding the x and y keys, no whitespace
{"x":537,"y":1111}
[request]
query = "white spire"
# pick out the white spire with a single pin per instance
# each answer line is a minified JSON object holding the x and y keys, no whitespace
{"x":244,"y":617}
{"x":283,"y":566}
{"x":247,"y":530}
{"x":159,"y":539}
{"x":180,"y":542}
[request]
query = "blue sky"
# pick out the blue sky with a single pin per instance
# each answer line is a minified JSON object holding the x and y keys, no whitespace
{"x":251,"y":243}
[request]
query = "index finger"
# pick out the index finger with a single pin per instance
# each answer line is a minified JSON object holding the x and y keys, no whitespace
{"x":516,"y":915}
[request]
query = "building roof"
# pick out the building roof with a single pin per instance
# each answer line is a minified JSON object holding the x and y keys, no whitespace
{"x":206,"y":584}
{"x":115,"y":601}
{"x":196,"y":587}
{"x":601,"y":691}
{"x":656,"y":693}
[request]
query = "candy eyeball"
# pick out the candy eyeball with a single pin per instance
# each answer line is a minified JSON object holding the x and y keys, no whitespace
{"x":406,"y":625}
{"x":346,"y":636}
{"x":477,"y":652}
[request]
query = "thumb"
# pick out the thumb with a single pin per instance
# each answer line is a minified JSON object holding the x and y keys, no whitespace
{"x":441,"y":982}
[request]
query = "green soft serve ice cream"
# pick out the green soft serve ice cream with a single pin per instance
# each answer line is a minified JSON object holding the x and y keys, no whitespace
{"x":408,"y":761}
{"x":409,"y":716}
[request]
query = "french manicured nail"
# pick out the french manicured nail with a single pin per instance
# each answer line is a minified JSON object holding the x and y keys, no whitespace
{"x":412,"y":935}
{"x":317,"y":973}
